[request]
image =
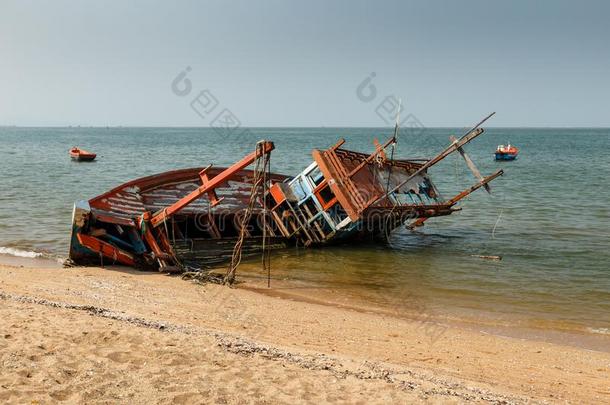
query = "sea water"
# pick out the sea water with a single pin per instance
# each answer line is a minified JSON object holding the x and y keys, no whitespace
{"x":547,"y":217}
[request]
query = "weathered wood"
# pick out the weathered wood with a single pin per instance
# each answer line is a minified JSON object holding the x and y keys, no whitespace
{"x":420,"y":221}
{"x":470,"y":164}
{"x":482,"y":183}
{"x":217,"y":180}
{"x":469,"y":136}
{"x":366,"y":161}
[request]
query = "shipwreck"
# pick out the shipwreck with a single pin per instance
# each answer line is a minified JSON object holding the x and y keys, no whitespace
{"x":199,"y":217}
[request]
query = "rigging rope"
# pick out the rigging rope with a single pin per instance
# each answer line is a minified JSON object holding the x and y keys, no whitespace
{"x":266,"y":256}
{"x":493,"y":231}
{"x":259,"y":177}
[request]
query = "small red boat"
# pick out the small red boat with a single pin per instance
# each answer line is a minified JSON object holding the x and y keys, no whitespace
{"x":508,"y":152}
{"x":81,"y":155}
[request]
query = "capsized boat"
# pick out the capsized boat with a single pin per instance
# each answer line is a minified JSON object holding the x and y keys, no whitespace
{"x":81,"y":155}
{"x":506,"y":152}
{"x":199,"y":217}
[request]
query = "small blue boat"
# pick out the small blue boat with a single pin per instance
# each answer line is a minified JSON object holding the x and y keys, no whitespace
{"x":507,"y":152}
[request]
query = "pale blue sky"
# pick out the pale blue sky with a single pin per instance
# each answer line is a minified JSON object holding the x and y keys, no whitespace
{"x":298,"y":63}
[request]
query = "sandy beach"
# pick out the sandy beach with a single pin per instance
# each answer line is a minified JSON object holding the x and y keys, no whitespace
{"x":407,"y":210}
{"x":116,"y":335}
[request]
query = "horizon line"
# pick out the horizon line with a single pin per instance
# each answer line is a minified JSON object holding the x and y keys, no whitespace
{"x":293,"y":127}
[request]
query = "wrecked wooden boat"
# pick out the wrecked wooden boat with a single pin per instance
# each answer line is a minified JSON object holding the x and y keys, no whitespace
{"x":177,"y":218}
{"x":195,"y":218}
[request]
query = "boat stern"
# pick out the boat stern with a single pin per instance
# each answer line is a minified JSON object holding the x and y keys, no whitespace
{"x":80,"y":218}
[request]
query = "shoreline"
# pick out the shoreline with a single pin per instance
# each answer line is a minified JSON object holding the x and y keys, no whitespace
{"x":313,"y":343}
{"x":595,"y":341}
{"x":413,"y":308}
{"x":32,"y":262}
{"x":580,"y":338}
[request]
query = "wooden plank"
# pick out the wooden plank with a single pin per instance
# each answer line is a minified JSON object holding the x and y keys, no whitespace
{"x":470,"y":164}
{"x":464,"y":193}
{"x":378,"y":150}
{"x":280,"y":224}
{"x":470,"y":135}
{"x":337,"y":183}
{"x":216,"y":181}
{"x":317,"y":225}
{"x":106,"y":249}
{"x":458,"y":197}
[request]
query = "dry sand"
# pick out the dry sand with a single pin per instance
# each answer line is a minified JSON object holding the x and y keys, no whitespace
{"x":120,"y":336}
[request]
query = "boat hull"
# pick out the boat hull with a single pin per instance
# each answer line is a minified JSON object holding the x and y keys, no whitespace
{"x":81,"y":155}
{"x":202,"y":234}
{"x":198,"y":217}
{"x":83,"y":158}
{"x":506,"y":156}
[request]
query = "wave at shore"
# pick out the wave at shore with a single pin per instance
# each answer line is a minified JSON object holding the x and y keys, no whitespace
{"x":28,"y":258}
{"x":19,"y":253}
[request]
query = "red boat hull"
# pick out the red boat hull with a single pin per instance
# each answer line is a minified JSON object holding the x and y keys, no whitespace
{"x":506,"y":152}
{"x":82,"y":155}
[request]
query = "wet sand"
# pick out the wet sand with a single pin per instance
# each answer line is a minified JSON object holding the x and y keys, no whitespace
{"x":118,"y":335}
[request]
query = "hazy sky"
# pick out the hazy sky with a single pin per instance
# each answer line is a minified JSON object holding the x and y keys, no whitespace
{"x":299,"y":63}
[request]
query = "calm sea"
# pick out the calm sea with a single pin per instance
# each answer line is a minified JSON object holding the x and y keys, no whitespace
{"x":548,"y":216}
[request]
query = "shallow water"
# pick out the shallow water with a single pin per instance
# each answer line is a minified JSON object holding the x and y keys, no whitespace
{"x":548,"y":215}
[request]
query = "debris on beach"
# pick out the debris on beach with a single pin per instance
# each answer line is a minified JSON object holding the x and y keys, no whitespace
{"x":191,"y":219}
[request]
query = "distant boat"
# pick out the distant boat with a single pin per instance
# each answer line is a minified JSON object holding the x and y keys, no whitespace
{"x":81,"y":155}
{"x":506,"y":152}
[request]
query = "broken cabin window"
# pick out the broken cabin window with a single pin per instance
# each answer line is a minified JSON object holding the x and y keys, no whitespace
{"x":316,"y":176}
